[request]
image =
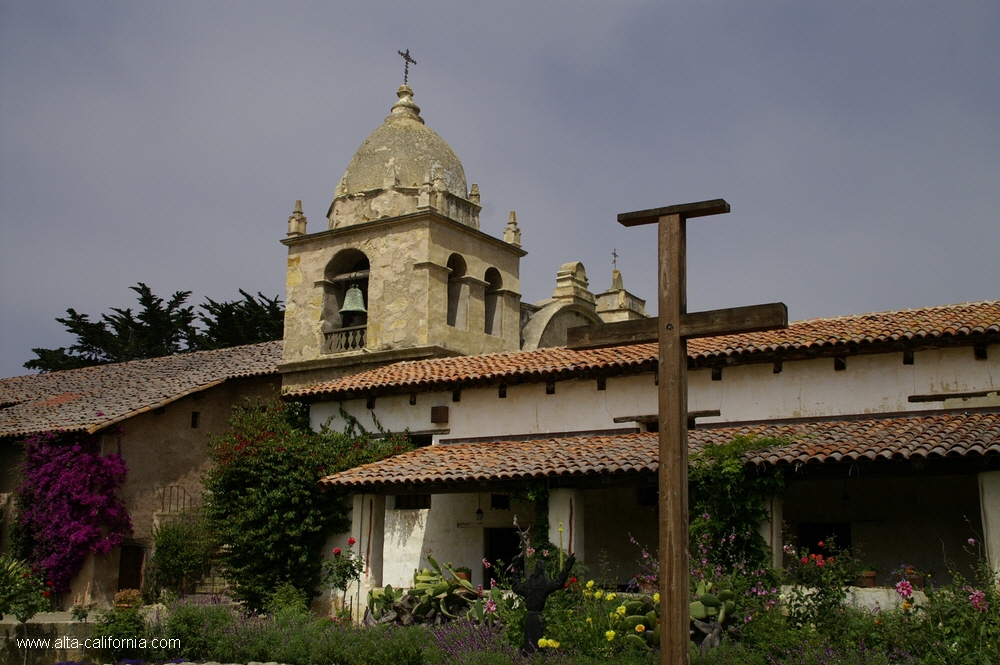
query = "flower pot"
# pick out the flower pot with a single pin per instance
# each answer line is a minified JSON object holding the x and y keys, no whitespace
{"x":462,"y":575}
{"x":917,"y":581}
{"x":867,"y":579}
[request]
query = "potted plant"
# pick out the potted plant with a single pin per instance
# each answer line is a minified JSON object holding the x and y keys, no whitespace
{"x":128,"y":599}
{"x":463,"y":573}
{"x":911,"y":574}
{"x":867,"y":579}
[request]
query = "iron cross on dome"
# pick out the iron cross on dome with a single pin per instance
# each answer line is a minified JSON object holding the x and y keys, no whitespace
{"x":406,"y":68}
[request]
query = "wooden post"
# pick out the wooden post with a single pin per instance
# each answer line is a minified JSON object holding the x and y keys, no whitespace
{"x":675,"y":325}
{"x":675,"y":613}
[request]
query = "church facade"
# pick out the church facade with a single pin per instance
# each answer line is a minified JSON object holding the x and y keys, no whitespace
{"x":401,"y":308}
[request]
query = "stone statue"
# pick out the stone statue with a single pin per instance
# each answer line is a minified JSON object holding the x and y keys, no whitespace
{"x":536,"y":590}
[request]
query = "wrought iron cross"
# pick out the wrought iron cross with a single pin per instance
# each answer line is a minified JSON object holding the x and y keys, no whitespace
{"x":614,"y":258}
{"x":406,"y":68}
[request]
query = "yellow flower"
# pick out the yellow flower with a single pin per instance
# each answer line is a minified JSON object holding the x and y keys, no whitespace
{"x":545,"y":643}
{"x":588,"y":593}
{"x":656,"y":597}
{"x":621,"y":610}
{"x":542,"y":643}
{"x":590,"y":584}
{"x":640,"y":628}
{"x":598,"y":594}
{"x":589,"y":620}
{"x":553,"y":644}
{"x":612,"y":596}
{"x":906,"y":606}
{"x":610,"y":635}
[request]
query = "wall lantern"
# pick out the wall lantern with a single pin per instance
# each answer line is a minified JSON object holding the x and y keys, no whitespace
{"x":479,"y":511}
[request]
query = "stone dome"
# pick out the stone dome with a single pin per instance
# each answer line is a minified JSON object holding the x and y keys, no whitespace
{"x":414,"y":151}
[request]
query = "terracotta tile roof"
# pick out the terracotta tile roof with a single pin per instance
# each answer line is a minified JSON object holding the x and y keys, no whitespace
{"x":927,"y":436}
{"x":969,"y":320}
{"x":94,"y":397}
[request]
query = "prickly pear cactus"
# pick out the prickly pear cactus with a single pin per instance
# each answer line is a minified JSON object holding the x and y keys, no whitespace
{"x":433,"y":599}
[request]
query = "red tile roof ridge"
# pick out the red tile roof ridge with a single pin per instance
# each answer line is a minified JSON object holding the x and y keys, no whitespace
{"x":905,"y":310}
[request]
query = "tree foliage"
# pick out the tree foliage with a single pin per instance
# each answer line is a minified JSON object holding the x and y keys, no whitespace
{"x":161,"y":328}
{"x":238,"y":322}
{"x":264,"y":502}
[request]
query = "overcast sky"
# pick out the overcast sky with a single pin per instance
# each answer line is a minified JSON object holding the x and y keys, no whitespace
{"x":166,"y":142}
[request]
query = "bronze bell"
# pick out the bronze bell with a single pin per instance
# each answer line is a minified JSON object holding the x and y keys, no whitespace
{"x":354,"y":301}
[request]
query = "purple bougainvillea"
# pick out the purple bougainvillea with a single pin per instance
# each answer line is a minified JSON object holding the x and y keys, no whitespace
{"x":69,"y":503}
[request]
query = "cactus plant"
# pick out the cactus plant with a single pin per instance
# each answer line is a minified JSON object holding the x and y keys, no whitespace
{"x":433,"y":599}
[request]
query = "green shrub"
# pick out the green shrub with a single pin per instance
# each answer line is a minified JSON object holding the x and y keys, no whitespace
{"x":182,"y":553}
{"x":119,"y":634}
{"x":22,"y":593}
{"x":264,"y":500}
{"x":200,"y":626}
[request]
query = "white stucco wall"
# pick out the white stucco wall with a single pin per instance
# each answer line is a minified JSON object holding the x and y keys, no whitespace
{"x":448,"y":531}
{"x":804,"y":388}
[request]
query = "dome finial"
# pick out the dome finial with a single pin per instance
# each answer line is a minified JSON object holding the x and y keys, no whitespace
{"x":405,"y":108}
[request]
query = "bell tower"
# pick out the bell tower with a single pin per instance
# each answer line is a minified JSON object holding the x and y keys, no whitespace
{"x":402,"y":270}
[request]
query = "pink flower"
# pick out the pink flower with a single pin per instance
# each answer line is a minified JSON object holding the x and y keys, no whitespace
{"x":491,"y":607}
{"x":820,"y":563}
{"x":336,"y":551}
{"x":978,"y":600}
{"x":972,"y":541}
{"x":493,"y":583}
{"x":486,"y":563}
{"x":531,"y":550}
{"x":545,"y":553}
{"x":821,"y":544}
{"x":351,"y":541}
{"x":904,"y":588}
{"x":804,"y":561}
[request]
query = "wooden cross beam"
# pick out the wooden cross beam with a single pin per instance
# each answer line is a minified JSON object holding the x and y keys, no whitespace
{"x":674,"y":325}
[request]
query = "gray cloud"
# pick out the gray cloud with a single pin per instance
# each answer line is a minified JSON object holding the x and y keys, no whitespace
{"x":859,"y":144}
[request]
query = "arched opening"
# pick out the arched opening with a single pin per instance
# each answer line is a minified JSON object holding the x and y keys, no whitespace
{"x":494,"y":312}
{"x":458,"y":293}
{"x":345,"y":302}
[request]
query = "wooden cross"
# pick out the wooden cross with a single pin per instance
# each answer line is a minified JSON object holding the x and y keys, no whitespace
{"x":673,"y":328}
{"x":406,"y":67}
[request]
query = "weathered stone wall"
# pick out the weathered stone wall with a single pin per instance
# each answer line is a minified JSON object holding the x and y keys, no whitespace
{"x":163,"y":450}
{"x":56,"y":631}
{"x":407,"y":292}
